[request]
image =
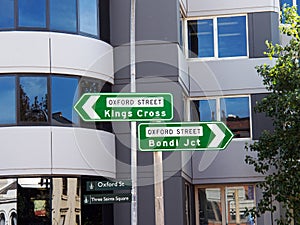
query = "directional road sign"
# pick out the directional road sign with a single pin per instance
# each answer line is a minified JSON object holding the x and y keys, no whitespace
{"x":183,"y":136}
{"x":107,"y":198}
{"x":125,"y":106}
{"x":106,"y":185}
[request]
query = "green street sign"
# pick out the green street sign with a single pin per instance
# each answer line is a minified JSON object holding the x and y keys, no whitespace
{"x":106,"y":185}
{"x":125,"y":106}
{"x":183,"y":136}
{"x":107,"y":198}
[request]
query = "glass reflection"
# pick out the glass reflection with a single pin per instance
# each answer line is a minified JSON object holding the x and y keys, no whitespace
{"x":32,"y":13}
{"x":235,"y":113}
{"x":238,"y":200}
{"x":66,"y":200}
{"x":7,"y":100}
{"x":207,"y":110}
{"x":6,"y":14}
{"x":88,"y":16}
{"x":232,"y":40}
{"x":33,"y":99}
{"x":34,"y":201}
{"x":210,"y":206}
{"x":8,"y":201}
{"x":63,"y":15}
{"x":62,"y":107}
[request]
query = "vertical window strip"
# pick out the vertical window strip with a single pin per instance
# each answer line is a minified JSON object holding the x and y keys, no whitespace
{"x":51,"y":15}
{"x":237,"y":33}
{"x":216,"y":34}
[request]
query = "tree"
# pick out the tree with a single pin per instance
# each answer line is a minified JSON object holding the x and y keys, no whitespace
{"x":278,"y":151}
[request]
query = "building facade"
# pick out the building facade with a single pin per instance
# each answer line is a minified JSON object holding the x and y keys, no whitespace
{"x":202,"y":52}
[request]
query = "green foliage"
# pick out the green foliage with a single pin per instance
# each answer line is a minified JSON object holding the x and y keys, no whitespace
{"x":278,"y":151}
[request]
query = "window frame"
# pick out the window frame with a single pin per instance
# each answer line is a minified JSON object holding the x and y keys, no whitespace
{"x":102,"y":86}
{"x":17,"y":26}
{"x":218,"y":111}
{"x":18,"y":108}
{"x":215,"y":38}
{"x":223,"y":188}
{"x":294,"y":3}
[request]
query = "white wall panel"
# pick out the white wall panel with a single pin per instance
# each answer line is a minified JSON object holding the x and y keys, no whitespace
{"x":221,"y":7}
{"x":75,"y":151}
{"x":25,"y":150}
{"x":226,"y":166}
{"x":47,"y":52}
{"x":83,"y":151}
{"x":223,"y":77}
{"x":81,"y":56}
{"x":24,"y":52}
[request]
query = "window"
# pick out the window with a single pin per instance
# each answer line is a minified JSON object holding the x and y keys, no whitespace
{"x":290,"y":3}
{"x":62,"y":108}
{"x":88,"y":17}
{"x":7,"y":14}
{"x":7,"y":100}
{"x":217,"y":37}
{"x":63,"y":15}
{"x":233,"y":111}
{"x":2,"y":219}
{"x":32,"y":13}
{"x":33,"y":96}
{"x":224,"y":204}
{"x":39,"y":100}
{"x":70,"y":16}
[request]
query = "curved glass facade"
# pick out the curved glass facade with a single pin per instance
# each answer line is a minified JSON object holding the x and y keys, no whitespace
{"x":38,"y":99}
{"x":69,"y":16}
{"x":51,"y":200}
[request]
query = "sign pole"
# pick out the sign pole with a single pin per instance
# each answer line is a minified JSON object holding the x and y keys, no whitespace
{"x":158,"y":188}
{"x":133,"y":124}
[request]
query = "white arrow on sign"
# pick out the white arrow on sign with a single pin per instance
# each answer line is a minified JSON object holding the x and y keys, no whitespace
{"x":88,"y":107}
{"x":219,"y":135}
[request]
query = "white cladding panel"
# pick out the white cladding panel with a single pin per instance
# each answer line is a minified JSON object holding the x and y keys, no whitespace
{"x":80,"y":55}
{"x":24,"y":52}
{"x":221,"y":7}
{"x":83,"y":151}
{"x":225,"y":77}
{"x":56,"y":150}
{"x":47,"y":52}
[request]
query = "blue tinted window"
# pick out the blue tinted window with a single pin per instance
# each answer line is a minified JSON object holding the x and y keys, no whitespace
{"x":63,"y":15}
{"x":88,"y":16}
{"x":287,"y":2}
{"x":205,"y":38}
{"x":232,"y":40}
{"x":6,"y":14}
{"x":7,"y":100}
{"x":32,"y":13}
{"x":33,"y":99}
{"x":63,"y":102}
{"x":207,"y":110}
{"x":236,"y":114}
{"x":201,"y":38}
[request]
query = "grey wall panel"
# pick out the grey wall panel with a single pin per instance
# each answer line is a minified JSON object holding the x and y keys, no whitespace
{"x":157,"y":59}
{"x":146,"y":205}
{"x":157,"y":20}
{"x":225,"y":166}
{"x":122,"y":214}
{"x":260,"y":121}
{"x":262,"y":26}
{"x":119,"y":22}
{"x":224,"y":77}
{"x":174,"y":204}
{"x":223,"y":7}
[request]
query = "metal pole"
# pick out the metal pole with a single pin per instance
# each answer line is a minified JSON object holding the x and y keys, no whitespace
{"x":158,"y":188}
{"x":133,"y":124}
